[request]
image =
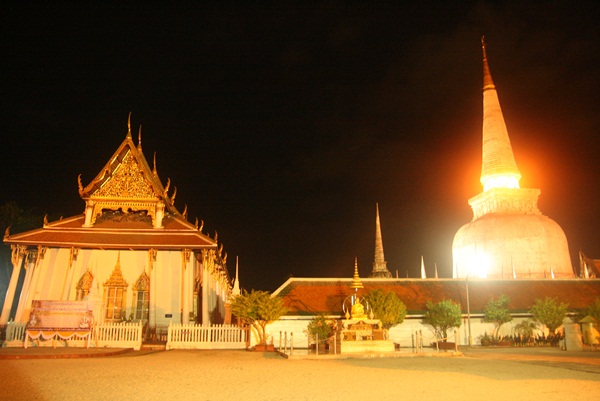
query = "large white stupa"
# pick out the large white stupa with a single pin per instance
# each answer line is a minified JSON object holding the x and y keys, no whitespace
{"x":508,"y":237}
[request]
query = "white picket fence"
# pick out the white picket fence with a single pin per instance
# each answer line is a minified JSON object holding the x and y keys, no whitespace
{"x":193,"y":336}
{"x":111,"y":335}
{"x":129,"y":335}
{"x":118,"y":335}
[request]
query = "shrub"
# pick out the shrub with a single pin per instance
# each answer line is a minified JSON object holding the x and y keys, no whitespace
{"x":386,"y":307}
{"x":443,"y":316}
{"x":549,"y":312}
{"x":320,"y":326}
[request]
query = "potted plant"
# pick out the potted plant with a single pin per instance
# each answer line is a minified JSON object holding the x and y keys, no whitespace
{"x":485,"y":339}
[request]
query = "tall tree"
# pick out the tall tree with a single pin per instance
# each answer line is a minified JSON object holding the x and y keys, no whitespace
{"x":386,"y":307}
{"x":443,"y":316}
{"x":496,"y":311}
{"x":549,"y":312}
{"x":258,"y":308}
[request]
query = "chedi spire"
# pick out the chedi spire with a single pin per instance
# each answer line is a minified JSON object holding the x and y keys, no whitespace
{"x":498,"y":167}
{"x":508,"y":231}
{"x":380,"y":269}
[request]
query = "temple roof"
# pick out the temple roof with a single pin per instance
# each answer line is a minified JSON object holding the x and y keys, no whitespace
{"x":176,"y":234}
{"x":309,"y":296}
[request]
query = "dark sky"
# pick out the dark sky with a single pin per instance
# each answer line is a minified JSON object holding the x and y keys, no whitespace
{"x":283,"y":126}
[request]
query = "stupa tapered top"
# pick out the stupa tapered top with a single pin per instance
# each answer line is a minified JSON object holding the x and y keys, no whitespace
{"x":498,"y":169}
{"x":379,"y":264}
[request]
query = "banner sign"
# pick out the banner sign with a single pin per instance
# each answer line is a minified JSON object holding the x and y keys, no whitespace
{"x":60,"y":315}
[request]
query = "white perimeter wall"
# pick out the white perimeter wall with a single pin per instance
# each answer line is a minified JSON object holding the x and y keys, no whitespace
{"x":402,"y":334}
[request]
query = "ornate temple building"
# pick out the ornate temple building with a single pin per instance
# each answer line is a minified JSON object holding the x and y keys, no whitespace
{"x":131,"y":253}
{"x":508,"y":237}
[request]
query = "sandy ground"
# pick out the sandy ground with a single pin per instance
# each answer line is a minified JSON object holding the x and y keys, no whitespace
{"x":243,"y":375}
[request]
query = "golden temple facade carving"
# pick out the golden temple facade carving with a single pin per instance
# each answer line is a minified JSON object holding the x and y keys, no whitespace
{"x":127,"y":184}
{"x":127,"y":181}
{"x":116,"y":278}
{"x":142,"y":283}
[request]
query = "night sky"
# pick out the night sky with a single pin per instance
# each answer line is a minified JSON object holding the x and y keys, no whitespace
{"x":283,"y":126}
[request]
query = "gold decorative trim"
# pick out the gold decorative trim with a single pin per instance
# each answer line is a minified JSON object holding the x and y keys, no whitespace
{"x":85,"y":282}
{"x":116,"y":278}
{"x":142,"y":283}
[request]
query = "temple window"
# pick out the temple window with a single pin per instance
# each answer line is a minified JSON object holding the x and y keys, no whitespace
{"x":115,"y":303}
{"x":142,"y":297}
{"x":115,"y":289}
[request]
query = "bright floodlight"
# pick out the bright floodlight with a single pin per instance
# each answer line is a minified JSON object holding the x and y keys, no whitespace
{"x":479,"y":265}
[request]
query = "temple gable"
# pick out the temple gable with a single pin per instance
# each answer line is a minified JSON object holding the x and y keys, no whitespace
{"x":127,"y":182}
{"x":127,"y":186}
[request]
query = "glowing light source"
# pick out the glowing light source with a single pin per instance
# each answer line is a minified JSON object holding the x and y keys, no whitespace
{"x":479,"y":265}
{"x":500,"y":181}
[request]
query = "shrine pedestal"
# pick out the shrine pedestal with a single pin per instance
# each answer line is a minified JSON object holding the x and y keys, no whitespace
{"x":365,"y":347}
{"x":362,"y":336}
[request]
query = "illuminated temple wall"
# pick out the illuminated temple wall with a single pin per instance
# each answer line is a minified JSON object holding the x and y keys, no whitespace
{"x":171,"y":289}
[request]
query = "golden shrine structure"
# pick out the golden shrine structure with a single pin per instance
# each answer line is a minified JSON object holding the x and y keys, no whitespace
{"x":359,"y":332}
{"x":131,"y":254}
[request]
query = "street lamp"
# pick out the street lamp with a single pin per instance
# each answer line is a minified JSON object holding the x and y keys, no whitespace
{"x":469,"y":338}
{"x":479,"y":265}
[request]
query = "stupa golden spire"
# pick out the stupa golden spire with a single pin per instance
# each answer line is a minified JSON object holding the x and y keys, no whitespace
{"x":356,"y":283}
{"x":498,"y":169}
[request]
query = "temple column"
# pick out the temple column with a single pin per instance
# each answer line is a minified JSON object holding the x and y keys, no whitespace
{"x":89,"y":209}
{"x":185,"y":283}
{"x":18,"y":253}
{"x":34,"y":283}
{"x":152,"y":311}
{"x":205,"y":284}
{"x":30,"y":268}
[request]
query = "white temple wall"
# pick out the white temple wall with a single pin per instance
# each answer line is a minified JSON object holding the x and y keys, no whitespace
{"x":403,"y":334}
{"x":54,"y":268}
{"x":171,"y":294}
{"x":168,"y":280}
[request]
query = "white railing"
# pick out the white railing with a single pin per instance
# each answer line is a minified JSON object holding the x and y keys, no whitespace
{"x":118,"y":335}
{"x":193,"y":336}
{"x":286,"y":343}
{"x":15,"y":334}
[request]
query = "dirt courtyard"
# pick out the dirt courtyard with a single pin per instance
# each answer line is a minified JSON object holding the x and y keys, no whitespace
{"x":241,"y":375}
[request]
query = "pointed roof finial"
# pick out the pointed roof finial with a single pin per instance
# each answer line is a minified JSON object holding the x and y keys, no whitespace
{"x":154,"y":171}
{"x":236,"y":282}
{"x":140,"y":138}
{"x":356,"y":283}
{"x":129,"y":125}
